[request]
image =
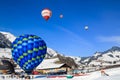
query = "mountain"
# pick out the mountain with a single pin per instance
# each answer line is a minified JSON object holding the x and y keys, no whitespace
{"x":68,"y":60}
{"x":51,"y":53}
{"x":4,"y":42}
{"x":6,"y":39}
{"x":114,"y":48}
{"x":108,"y":57}
{"x":8,"y":36}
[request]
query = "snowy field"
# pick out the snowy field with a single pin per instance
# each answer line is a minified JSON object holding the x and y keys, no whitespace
{"x":114,"y":74}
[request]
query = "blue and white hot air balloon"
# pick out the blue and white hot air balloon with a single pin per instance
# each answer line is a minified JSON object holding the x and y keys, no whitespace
{"x":28,"y":51}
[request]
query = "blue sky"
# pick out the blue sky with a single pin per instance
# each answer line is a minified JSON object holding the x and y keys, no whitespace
{"x":65,"y":35}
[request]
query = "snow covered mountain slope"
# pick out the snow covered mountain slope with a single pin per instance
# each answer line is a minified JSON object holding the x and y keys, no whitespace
{"x":108,"y":57}
{"x":6,"y":39}
{"x":4,"y":42}
{"x":51,"y":53}
{"x":9,"y":36}
{"x":5,"y":52}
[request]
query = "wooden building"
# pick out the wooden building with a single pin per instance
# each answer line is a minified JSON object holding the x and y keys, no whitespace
{"x":49,"y":66}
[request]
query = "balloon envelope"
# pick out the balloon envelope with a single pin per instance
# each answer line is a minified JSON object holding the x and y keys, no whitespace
{"x":61,"y":16}
{"x":86,"y":27}
{"x":46,"y":14}
{"x":28,"y":51}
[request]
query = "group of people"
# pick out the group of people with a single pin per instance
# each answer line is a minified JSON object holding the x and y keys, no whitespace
{"x":17,"y":76}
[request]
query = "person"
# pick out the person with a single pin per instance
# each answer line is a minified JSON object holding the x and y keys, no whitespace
{"x":3,"y":77}
{"x":103,"y":73}
{"x":27,"y":78}
{"x":22,"y":74}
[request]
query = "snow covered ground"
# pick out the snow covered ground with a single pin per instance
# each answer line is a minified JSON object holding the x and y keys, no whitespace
{"x":114,"y":74}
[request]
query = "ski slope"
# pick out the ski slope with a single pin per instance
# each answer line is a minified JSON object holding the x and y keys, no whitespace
{"x":114,"y":74}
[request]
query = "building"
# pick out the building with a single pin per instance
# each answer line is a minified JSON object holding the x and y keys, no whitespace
{"x":53,"y":66}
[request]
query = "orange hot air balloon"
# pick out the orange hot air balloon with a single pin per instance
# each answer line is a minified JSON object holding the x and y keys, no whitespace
{"x":46,"y":14}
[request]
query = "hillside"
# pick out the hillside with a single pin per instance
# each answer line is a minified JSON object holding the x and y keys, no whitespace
{"x":108,"y":57}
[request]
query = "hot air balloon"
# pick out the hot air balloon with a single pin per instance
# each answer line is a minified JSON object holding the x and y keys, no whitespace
{"x":86,"y":27}
{"x":46,"y":14}
{"x":61,"y":16}
{"x":28,"y":51}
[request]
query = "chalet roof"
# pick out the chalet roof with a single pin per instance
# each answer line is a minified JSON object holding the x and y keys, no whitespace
{"x":49,"y":64}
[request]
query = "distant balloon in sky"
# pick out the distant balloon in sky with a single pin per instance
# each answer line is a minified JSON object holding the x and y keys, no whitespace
{"x":46,"y":13}
{"x":61,"y":16}
{"x":86,"y":27}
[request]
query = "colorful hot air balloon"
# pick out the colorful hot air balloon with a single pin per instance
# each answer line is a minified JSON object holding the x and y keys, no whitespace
{"x":28,"y":51}
{"x":46,"y":14}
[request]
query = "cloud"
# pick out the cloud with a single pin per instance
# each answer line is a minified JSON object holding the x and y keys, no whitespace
{"x":5,"y":29}
{"x":113,"y":39}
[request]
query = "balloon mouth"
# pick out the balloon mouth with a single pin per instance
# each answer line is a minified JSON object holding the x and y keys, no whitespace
{"x":46,"y":17}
